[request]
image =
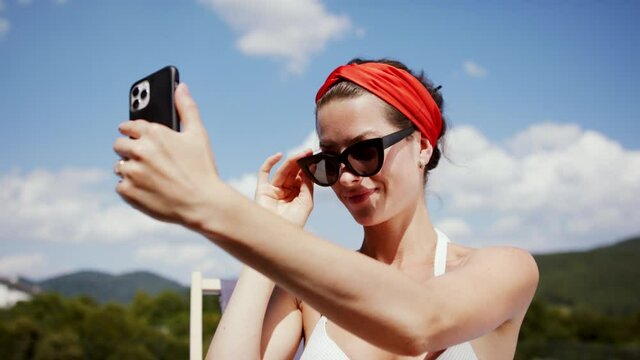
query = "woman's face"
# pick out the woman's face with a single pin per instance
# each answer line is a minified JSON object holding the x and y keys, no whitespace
{"x":398,"y":185}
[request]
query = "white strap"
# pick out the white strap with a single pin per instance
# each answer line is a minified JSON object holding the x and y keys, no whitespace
{"x":440,"y":261}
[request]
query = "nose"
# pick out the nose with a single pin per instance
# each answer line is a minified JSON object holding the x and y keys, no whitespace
{"x":347,"y":177}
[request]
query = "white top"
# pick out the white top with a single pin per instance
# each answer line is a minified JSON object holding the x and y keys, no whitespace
{"x":320,"y":346}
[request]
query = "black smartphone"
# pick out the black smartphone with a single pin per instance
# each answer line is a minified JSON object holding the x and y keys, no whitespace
{"x":152,"y":98}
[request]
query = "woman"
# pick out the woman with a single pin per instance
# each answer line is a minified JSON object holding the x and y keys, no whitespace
{"x":405,"y":294}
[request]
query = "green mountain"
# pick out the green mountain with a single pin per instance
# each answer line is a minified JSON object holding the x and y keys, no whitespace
{"x":105,"y":287}
{"x":604,"y":279}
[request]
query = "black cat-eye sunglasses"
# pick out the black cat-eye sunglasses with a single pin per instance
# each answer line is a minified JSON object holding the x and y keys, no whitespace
{"x":364,"y":158}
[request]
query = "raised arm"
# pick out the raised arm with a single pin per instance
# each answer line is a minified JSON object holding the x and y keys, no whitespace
{"x":371,"y":300}
{"x":261,"y":322}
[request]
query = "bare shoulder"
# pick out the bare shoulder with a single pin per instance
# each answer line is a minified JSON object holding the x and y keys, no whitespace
{"x":510,"y":257}
{"x":506,"y":258}
{"x":508,"y":267}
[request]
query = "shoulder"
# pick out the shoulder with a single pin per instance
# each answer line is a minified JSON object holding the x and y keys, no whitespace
{"x":493,"y":256}
{"x":514,"y":267}
{"x":509,"y":274}
{"x":505,"y":257}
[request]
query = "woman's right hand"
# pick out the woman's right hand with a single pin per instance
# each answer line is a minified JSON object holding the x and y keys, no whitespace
{"x":290,"y":193}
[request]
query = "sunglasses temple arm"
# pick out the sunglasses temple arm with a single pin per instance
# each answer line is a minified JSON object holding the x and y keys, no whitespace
{"x":396,"y":136}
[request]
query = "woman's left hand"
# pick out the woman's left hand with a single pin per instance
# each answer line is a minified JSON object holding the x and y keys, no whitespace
{"x":166,"y":174}
{"x":290,"y":193}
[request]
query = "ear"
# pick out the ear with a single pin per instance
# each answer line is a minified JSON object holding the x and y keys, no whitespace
{"x":425,"y":150}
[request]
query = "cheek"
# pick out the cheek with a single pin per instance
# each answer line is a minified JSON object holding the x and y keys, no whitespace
{"x":399,"y":166}
{"x":400,"y":178}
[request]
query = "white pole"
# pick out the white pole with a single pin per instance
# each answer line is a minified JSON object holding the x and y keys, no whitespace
{"x":195,"y":330}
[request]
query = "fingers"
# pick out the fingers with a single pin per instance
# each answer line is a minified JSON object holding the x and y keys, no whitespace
{"x":117,"y":168}
{"x":133,"y":128}
{"x":133,"y":174}
{"x":267,"y":165}
{"x":143,"y":138}
{"x":188,"y":109}
{"x":125,"y":148}
{"x":123,"y":168}
{"x":285,"y":176}
{"x":306,"y":181}
{"x":136,"y":196}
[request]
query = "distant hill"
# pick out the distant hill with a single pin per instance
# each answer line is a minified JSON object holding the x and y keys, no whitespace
{"x":105,"y":287}
{"x":605,"y":279}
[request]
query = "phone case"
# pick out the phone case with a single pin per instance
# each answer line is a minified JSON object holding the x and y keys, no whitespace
{"x":152,"y":98}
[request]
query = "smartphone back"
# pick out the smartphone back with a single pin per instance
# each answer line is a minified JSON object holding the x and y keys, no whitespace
{"x":152,"y":98}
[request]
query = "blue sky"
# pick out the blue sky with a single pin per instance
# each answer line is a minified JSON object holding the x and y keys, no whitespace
{"x":541,"y":97}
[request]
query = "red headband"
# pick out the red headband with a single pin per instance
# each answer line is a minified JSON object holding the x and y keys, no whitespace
{"x":398,"y":88}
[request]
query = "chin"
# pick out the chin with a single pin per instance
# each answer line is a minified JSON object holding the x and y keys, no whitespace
{"x":367,"y":214}
{"x":367,"y":218}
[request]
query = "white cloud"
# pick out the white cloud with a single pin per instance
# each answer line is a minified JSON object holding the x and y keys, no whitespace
{"x":506,"y":225}
{"x":80,"y":205}
{"x":202,"y":256}
{"x":292,"y":30}
{"x":310,"y":142}
{"x":472,"y":69}
{"x":551,"y":186}
{"x":21,"y":264}
{"x":4,"y":27}
{"x":454,"y":227}
{"x":544,"y":137}
{"x":72,"y":205}
{"x":245,"y":184}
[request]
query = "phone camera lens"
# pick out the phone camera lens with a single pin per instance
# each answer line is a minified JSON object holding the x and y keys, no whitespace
{"x":136,"y":103}
{"x":143,"y":94}
{"x":135,"y":91}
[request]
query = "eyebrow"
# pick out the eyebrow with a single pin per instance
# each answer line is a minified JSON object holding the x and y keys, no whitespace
{"x":333,"y":145}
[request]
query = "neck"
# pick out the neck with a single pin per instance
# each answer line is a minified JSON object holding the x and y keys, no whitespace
{"x":405,"y":239}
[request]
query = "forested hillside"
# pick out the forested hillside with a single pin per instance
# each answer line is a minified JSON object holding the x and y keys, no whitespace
{"x":603,"y":279}
{"x":105,"y":287}
{"x":586,"y":307}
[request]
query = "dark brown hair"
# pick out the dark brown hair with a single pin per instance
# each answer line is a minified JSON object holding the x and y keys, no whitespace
{"x":347,"y":89}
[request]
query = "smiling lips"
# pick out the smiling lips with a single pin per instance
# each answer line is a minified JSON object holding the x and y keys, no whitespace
{"x":360,"y":196}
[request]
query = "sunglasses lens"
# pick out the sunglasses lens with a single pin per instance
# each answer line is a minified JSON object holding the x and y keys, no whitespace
{"x":324,"y":171}
{"x":364,"y":158}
